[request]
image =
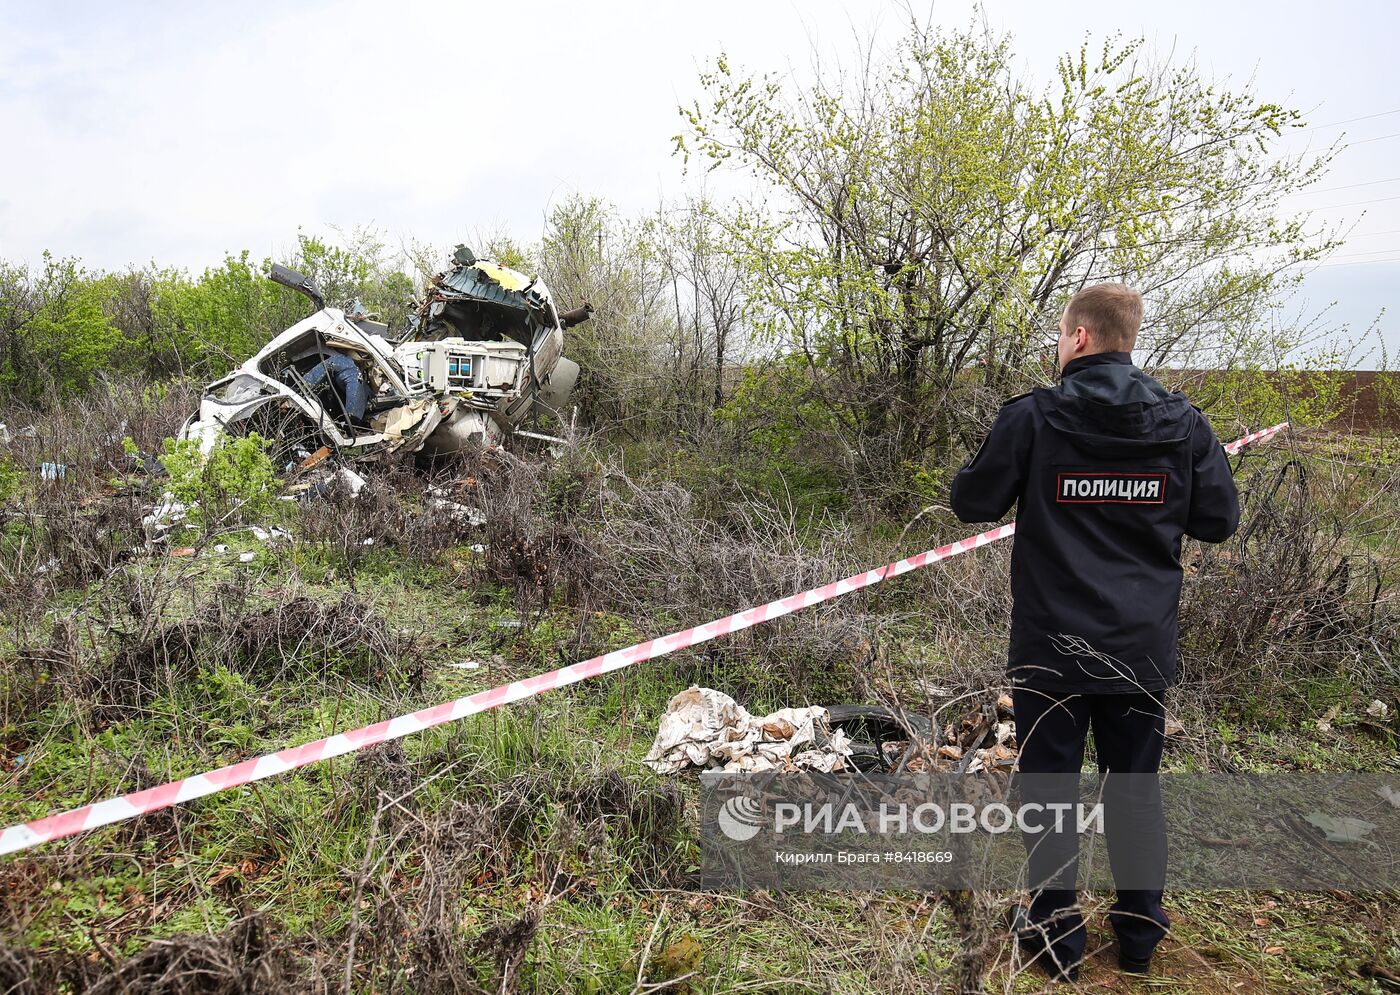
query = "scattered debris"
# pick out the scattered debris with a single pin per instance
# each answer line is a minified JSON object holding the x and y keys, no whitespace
{"x":1340,"y":829}
{"x":472,"y":516}
{"x":315,"y":458}
{"x":931,"y":690}
{"x":1377,"y":709}
{"x":52,"y":471}
{"x":247,"y":557}
{"x":1324,"y":724}
{"x":704,"y":727}
{"x":985,"y":738}
{"x":166,"y":514}
{"x":322,"y":484}
{"x":1389,"y":794}
{"x":443,"y":497}
{"x":484,"y":350}
{"x":1174,"y":727}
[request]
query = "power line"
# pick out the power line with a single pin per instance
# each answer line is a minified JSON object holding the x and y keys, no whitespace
{"x":1353,"y":120}
{"x":1348,"y":186}
{"x":1353,"y":262}
{"x":1372,"y":252}
{"x":1354,"y":203}
{"x":1368,"y":141}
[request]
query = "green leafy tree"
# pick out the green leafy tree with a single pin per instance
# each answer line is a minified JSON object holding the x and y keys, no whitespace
{"x":920,"y":223}
{"x":359,"y":270}
{"x":230,"y":312}
{"x":54,"y":334}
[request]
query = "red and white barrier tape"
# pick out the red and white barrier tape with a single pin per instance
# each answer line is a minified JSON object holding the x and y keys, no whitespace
{"x":1253,"y":437}
{"x":24,"y":835}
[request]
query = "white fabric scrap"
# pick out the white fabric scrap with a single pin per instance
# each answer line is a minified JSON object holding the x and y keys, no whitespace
{"x":704,"y":727}
{"x":165,"y":514}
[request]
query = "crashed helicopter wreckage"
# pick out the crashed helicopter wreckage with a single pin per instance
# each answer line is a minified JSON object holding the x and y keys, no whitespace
{"x":483,"y":351}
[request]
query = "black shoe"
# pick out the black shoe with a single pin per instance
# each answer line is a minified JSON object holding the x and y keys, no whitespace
{"x":1132,"y":965}
{"x":1035,"y":948}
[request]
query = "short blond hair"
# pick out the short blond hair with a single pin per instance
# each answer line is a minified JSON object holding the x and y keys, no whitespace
{"x":1112,"y":313}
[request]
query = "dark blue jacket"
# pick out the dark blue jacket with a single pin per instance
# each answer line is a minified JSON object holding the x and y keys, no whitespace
{"x":1108,"y":470}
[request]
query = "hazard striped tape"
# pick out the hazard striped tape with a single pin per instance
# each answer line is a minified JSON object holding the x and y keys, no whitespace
{"x":1254,"y":437}
{"x":104,"y":813}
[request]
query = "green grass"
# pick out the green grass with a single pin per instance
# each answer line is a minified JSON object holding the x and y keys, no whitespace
{"x":534,"y":806}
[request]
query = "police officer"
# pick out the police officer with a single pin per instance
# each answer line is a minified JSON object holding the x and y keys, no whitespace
{"x":1108,"y":470}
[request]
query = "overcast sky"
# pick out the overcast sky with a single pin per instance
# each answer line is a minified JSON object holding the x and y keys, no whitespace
{"x":177,"y":132}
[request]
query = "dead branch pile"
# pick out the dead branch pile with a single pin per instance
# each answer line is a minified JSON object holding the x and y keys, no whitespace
{"x":264,"y":639}
{"x":241,"y":960}
{"x":1293,"y":598}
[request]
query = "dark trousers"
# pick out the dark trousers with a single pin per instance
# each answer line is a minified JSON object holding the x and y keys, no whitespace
{"x":1128,"y":736}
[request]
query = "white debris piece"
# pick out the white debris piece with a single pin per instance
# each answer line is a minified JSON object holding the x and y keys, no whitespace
{"x":1340,"y":829}
{"x":704,"y":727}
{"x":353,"y":480}
{"x":933,"y":690}
{"x":1377,"y":709}
{"x":247,"y":557}
{"x":264,"y":535}
{"x":468,"y":514}
{"x":165,"y":514}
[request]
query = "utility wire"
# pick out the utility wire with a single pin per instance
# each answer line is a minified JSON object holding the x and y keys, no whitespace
{"x":1372,"y":252}
{"x":1347,"y":186}
{"x":1354,"y":203}
{"x":1353,"y":120}
{"x":1368,"y":141}
{"x":1350,"y":262}
{"x":1369,"y":234}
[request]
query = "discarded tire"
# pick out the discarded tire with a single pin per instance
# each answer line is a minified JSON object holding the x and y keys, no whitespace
{"x":871,"y":726}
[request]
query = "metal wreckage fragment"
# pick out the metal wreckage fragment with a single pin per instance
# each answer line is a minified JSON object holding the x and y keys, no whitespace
{"x":483,"y":350}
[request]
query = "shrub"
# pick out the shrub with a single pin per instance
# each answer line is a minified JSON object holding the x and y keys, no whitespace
{"x":9,"y":479}
{"x":234,"y":483}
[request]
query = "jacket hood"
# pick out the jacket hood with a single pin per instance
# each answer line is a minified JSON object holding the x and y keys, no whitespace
{"x":1106,"y":405}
